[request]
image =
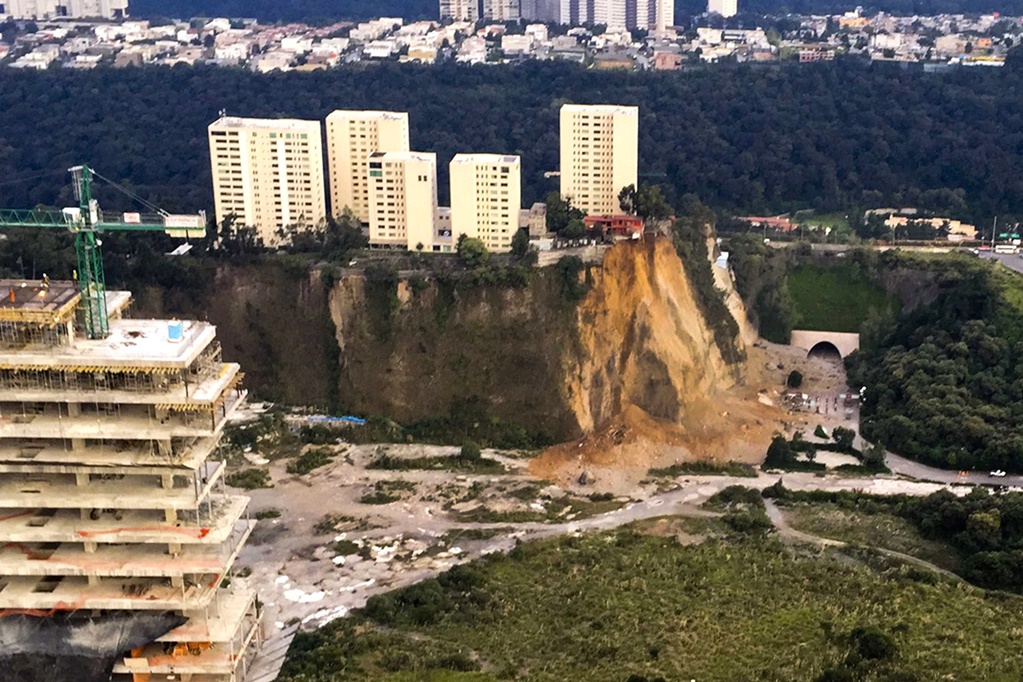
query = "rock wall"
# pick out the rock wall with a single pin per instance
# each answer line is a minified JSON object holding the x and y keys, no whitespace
{"x":410,"y":348}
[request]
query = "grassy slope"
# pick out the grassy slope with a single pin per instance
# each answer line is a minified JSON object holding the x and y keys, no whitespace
{"x":876,"y":530}
{"x":836,"y":298}
{"x":608,"y":606}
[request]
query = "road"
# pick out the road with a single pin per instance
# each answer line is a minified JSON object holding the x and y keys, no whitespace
{"x":1013,"y":261}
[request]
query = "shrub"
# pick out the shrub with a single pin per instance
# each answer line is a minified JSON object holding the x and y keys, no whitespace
{"x":249,"y":479}
{"x":795,"y":379}
{"x":310,"y":460}
{"x":470,"y":451}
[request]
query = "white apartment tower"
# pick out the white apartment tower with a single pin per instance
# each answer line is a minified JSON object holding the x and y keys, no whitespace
{"x":726,"y":8}
{"x":402,"y":199}
{"x":351,"y":137}
{"x":599,"y":155}
{"x":502,"y":10}
{"x":619,"y":15}
{"x":460,"y":10}
{"x":49,"y":9}
{"x":268,"y":174}
{"x":486,"y":197}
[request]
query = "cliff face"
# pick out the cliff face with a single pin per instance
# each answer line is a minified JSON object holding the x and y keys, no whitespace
{"x":642,"y":341}
{"x":410,"y":349}
{"x":636,"y":340}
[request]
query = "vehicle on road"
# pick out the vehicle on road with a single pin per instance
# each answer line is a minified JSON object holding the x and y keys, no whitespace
{"x":1006,"y":248}
{"x":998,"y":473}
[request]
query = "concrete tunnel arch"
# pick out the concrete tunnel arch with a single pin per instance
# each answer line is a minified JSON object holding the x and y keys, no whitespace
{"x":843,"y":343}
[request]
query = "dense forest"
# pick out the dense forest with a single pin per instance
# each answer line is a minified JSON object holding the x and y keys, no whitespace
{"x":758,"y":140}
{"x":944,"y":382}
{"x":330,"y":10}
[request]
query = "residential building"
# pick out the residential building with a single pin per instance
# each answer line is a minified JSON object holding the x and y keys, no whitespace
{"x":618,"y":14}
{"x":541,"y":10}
{"x":351,"y":137}
{"x":502,"y":10}
{"x":460,"y":10}
{"x":268,"y":174}
{"x":534,"y":220}
{"x":726,"y":8}
{"x":599,"y":155}
{"x":403,"y":200}
{"x":117,"y":535}
{"x":49,"y":9}
{"x":486,"y":197}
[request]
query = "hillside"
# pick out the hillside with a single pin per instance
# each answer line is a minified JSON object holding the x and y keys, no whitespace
{"x":674,"y":599}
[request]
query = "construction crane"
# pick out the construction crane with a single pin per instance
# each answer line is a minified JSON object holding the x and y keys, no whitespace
{"x":87,"y":222}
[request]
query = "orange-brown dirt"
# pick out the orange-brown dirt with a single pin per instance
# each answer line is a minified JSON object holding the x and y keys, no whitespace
{"x":654,"y":389}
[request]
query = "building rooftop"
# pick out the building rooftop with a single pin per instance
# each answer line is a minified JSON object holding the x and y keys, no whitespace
{"x":367,"y":115}
{"x":486,"y":158}
{"x":38,"y":301}
{"x":264,"y":123}
{"x":135,"y":344}
{"x":602,"y":109}
{"x":404,"y":156}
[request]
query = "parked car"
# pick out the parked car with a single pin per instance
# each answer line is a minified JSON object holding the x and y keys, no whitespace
{"x":998,"y":473}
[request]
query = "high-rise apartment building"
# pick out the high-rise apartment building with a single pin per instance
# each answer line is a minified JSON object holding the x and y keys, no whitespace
{"x":49,"y":9}
{"x":351,"y":137}
{"x":486,"y":197}
{"x":460,"y":10}
{"x":599,"y":155}
{"x":541,"y":10}
{"x":268,"y":174}
{"x":619,"y":15}
{"x":117,"y":536}
{"x":726,"y":8}
{"x":502,"y":10}
{"x":403,"y":199}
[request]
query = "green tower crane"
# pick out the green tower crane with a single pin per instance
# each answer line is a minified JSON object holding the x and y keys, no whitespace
{"x":87,"y":222}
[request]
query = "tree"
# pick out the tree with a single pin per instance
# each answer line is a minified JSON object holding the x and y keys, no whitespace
{"x":520,"y":244}
{"x":844,"y":437}
{"x":472,"y":252}
{"x":470,"y":451}
{"x":560,"y":212}
{"x":779,"y":452}
{"x":576,"y":229}
{"x":647,"y":203}
{"x":795,"y":379}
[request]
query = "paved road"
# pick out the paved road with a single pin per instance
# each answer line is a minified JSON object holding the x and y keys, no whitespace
{"x":1013,"y":261}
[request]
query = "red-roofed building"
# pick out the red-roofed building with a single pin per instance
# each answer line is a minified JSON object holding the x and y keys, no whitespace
{"x":615,"y":227}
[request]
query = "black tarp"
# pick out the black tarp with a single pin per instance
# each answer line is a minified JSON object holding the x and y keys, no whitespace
{"x":75,"y":648}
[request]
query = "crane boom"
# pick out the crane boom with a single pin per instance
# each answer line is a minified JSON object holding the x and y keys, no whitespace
{"x":86,"y":221}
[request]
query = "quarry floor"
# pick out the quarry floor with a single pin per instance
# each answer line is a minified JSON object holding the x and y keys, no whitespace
{"x":308,"y":572}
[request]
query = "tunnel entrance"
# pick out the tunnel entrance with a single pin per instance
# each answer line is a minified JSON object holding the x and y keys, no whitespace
{"x":825,"y":350}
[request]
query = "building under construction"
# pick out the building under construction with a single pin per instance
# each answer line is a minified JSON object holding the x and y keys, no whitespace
{"x":117,"y":537}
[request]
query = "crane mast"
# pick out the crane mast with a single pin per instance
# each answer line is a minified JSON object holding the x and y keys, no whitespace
{"x":86,"y":222}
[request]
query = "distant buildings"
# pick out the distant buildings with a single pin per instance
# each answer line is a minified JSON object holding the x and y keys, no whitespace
{"x":351,"y":137}
{"x":486,"y":198}
{"x":268,"y":174}
{"x":599,"y":155}
{"x":460,"y":10}
{"x":51,"y":9}
{"x":726,"y":8}
{"x":403,"y":200}
{"x":615,"y":14}
{"x":619,"y":14}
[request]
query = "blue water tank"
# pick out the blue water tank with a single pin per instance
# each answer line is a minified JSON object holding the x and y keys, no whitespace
{"x":176,"y":330}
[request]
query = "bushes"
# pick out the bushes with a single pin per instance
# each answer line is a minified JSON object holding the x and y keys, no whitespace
{"x":795,"y":380}
{"x":690,"y":233}
{"x":313,"y":459}
{"x":249,"y":479}
{"x":572,"y":288}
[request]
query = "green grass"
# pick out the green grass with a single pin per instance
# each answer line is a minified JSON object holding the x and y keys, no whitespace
{"x":838,"y":222}
{"x":313,"y":459}
{"x":876,"y":530}
{"x":249,"y":479}
{"x":480,"y":465}
{"x":614,"y":605}
{"x":837,"y":298}
{"x":704,"y":469}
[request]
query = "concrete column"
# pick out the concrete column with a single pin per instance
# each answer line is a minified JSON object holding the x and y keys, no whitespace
{"x":90,"y":547}
{"x":168,"y":481}
{"x":81,"y":480}
{"x":171,"y":515}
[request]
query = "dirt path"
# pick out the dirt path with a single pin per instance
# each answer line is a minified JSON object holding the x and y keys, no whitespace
{"x":777,"y":517}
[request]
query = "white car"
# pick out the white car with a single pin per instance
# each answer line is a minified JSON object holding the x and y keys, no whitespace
{"x":998,"y":473}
